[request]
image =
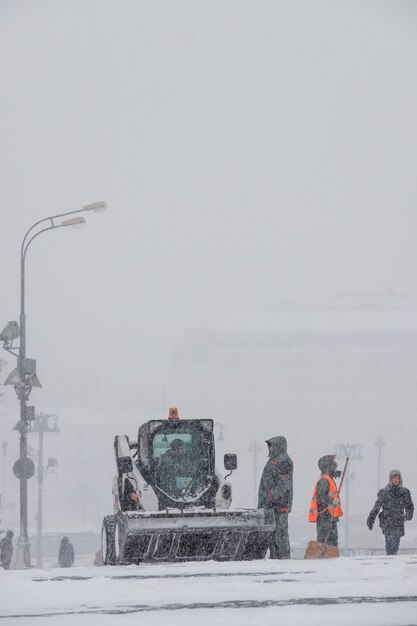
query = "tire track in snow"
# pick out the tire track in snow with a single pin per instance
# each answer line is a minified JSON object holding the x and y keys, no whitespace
{"x":228,"y":604}
{"x":150,"y":576}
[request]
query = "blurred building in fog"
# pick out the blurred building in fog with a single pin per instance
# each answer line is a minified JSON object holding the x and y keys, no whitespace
{"x":354,"y":365}
{"x":346,"y":372}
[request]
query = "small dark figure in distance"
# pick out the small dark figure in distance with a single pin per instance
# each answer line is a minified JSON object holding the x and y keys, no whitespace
{"x":325,"y":508}
{"x":66,"y":553}
{"x":276,"y":493}
{"x":6,"y":549}
{"x":397,"y":508}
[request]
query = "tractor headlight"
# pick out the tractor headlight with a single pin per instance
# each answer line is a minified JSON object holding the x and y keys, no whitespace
{"x":227,"y":491}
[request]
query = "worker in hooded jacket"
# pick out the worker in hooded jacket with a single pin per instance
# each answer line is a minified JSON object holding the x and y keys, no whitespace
{"x":276,"y":493}
{"x":66,"y":553}
{"x":397,"y":507}
{"x":325,"y":508}
{"x":6,"y":549}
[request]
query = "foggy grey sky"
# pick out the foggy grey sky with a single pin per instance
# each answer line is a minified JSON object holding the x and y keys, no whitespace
{"x":250,"y":153}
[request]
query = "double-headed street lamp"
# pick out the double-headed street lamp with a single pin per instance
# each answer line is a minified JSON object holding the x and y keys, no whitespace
{"x":220,"y":436}
{"x":354,"y":452}
{"x":255,"y":448}
{"x":24,"y":377}
{"x":379,"y":443}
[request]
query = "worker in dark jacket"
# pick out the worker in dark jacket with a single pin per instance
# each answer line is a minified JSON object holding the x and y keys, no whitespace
{"x":66,"y":553}
{"x":397,"y":507}
{"x":325,"y":508}
{"x":6,"y":549}
{"x":276,"y":493}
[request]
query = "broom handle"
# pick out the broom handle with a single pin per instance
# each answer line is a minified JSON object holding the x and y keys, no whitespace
{"x":343,"y":476}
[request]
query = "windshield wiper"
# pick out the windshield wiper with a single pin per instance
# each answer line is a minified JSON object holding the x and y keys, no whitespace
{"x":186,"y":490}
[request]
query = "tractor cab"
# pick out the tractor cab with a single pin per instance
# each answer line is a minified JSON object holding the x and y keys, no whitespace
{"x":176,"y":457}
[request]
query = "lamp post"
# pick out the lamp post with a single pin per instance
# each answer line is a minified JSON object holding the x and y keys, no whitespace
{"x":255,"y":447}
{"x":220,"y":436}
{"x":41,"y":426}
{"x":353,"y":451}
{"x":3,"y":490}
{"x":24,"y":377}
{"x":379,"y":443}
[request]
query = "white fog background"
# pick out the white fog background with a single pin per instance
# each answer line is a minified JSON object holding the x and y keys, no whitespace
{"x":255,"y":157}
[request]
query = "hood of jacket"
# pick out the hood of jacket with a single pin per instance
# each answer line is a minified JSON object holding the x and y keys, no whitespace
{"x":278,"y":446}
{"x":393,"y":473}
{"x":327,"y":464}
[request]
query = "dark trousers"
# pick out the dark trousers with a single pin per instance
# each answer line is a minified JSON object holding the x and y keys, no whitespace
{"x":327,"y":529}
{"x":279,"y":546}
{"x":392,"y":542}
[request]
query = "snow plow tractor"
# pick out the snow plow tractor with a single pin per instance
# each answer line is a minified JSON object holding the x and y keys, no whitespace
{"x":170,"y":503}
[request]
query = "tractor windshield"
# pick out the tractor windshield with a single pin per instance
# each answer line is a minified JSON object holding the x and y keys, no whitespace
{"x":182,"y":456}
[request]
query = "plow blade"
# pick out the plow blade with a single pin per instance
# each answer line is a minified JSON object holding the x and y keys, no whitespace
{"x":192,"y":536}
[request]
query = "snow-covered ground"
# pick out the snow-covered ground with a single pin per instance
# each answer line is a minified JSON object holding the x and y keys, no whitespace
{"x":346,"y":591}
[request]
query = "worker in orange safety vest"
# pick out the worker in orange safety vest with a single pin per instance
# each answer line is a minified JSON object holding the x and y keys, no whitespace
{"x":325,"y":508}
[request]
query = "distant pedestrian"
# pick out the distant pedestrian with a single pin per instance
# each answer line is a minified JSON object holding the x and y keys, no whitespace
{"x":276,"y":493}
{"x":397,"y":507}
{"x":325,"y":508}
{"x":6,"y":549}
{"x":66,"y":553}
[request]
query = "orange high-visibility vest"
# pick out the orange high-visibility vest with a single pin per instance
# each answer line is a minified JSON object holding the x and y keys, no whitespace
{"x":335,"y":511}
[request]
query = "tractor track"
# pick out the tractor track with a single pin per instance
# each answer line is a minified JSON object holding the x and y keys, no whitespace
{"x":228,"y":604}
{"x":154,"y":576}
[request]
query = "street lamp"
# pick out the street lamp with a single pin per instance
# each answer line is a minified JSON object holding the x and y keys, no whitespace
{"x":42,"y":424}
{"x":379,"y":443}
{"x":220,"y":436}
{"x":353,"y":451}
{"x":256,"y":448}
{"x":24,"y":377}
{"x":3,"y":491}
